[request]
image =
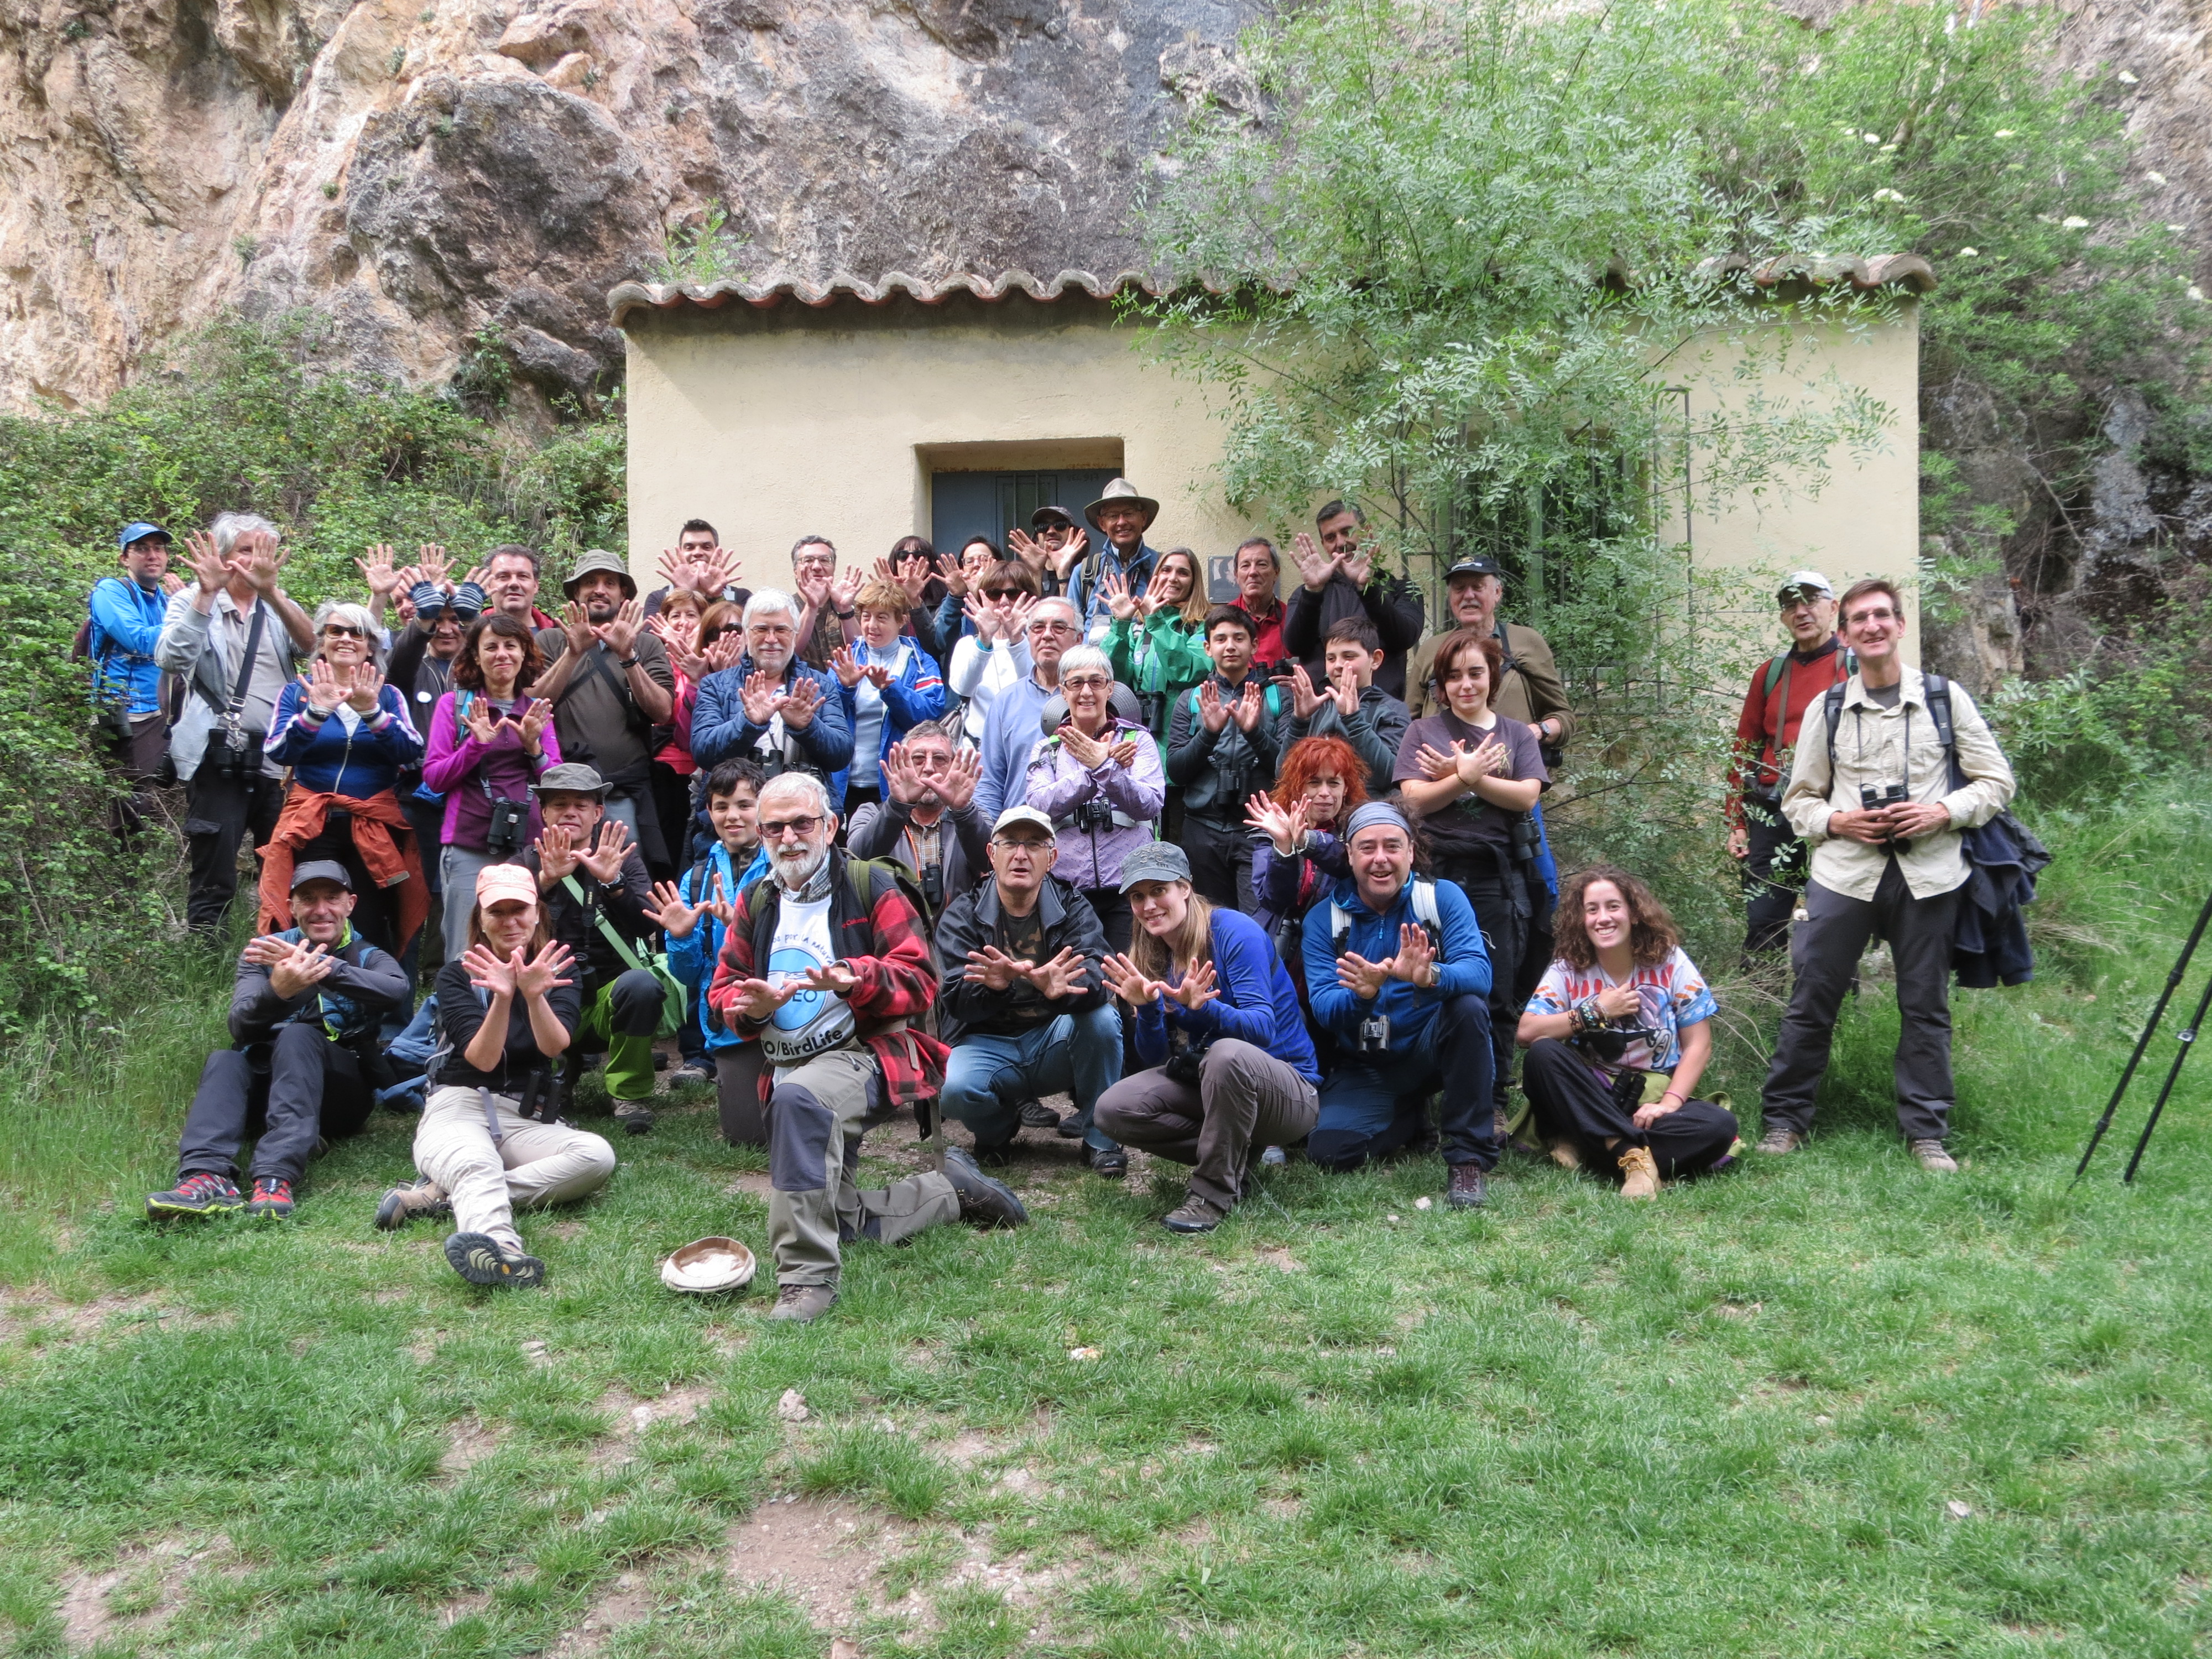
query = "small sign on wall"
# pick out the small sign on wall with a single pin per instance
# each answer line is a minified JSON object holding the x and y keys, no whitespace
{"x":1221,"y":578}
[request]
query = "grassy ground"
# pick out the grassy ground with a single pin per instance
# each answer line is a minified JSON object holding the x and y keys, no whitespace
{"x":1829,"y":1404}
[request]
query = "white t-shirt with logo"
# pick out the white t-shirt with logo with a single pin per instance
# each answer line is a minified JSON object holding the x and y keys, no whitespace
{"x":813,"y":1022}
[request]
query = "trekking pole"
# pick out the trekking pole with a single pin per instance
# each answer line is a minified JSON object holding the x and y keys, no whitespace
{"x":2173,"y":984}
{"x":2188,"y":1040}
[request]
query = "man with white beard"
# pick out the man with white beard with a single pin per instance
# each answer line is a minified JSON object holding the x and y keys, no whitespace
{"x":827,"y":963}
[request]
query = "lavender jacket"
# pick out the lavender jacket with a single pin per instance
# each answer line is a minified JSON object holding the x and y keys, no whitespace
{"x":1058,"y":786}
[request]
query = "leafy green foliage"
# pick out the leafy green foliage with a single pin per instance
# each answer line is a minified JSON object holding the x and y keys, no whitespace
{"x":711,"y":250}
{"x":247,"y":416}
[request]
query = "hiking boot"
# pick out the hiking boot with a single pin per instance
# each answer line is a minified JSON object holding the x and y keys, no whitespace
{"x":1069,"y":1127}
{"x":804,"y":1304}
{"x":478,"y":1258}
{"x":1565,"y":1154}
{"x":1778,"y":1141}
{"x":690,"y":1071}
{"x":995,"y":1157}
{"x":983,"y":1201}
{"x":1107,"y":1162}
{"x":1639,"y":1173}
{"x":634,"y":1116}
{"x":415,"y":1198}
{"x":1465,"y":1190}
{"x":1036,"y":1114}
{"x":660,"y":1061}
{"x":197,"y":1194}
{"x":1933,"y":1159}
{"x":1193,"y":1215}
{"x":270,"y":1198}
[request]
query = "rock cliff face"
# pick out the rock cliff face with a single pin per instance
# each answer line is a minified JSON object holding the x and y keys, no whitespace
{"x":423,"y":172}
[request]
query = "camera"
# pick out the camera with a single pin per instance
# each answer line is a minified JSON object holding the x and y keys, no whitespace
{"x":1093,"y":815}
{"x":1152,"y":712}
{"x":1186,"y":1061}
{"x":932,"y":887}
{"x":509,"y":828}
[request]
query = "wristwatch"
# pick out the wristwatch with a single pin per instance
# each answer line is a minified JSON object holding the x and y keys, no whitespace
{"x":629,"y":662}
{"x":844,"y":615}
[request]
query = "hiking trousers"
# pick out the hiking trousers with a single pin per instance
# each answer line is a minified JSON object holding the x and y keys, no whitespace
{"x":1824,"y":954}
{"x":220,"y":813}
{"x":489,"y":1179}
{"x":816,"y":1117}
{"x":1571,"y":1103}
{"x":1372,"y":1106}
{"x":310,"y":1087}
{"x":1244,"y":1098}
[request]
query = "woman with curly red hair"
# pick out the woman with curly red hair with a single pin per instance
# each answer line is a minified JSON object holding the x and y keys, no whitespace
{"x":1618,"y":1033}
{"x":1300,"y":852}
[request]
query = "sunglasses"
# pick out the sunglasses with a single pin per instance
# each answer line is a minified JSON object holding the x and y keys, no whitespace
{"x":800,"y":827}
{"x":342,"y":631}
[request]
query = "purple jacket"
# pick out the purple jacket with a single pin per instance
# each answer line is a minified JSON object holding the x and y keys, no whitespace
{"x":459,"y":767}
{"x":1276,"y":881}
{"x":1090,"y":857}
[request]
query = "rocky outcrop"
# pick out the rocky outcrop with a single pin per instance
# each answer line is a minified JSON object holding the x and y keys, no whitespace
{"x":431,"y":175}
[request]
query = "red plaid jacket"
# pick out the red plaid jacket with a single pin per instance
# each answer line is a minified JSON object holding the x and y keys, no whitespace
{"x":885,"y":947}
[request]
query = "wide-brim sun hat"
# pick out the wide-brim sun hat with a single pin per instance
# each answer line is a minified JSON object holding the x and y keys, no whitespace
{"x":707,"y":1266}
{"x":1119,"y":492}
{"x":599,"y":559}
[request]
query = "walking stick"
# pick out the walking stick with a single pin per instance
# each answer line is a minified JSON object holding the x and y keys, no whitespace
{"x":2173,"y":984}
{"x":2188,"y":1041}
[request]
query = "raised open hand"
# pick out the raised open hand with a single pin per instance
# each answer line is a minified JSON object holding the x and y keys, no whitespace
{"x":984,"y":616}
{"x":261,"y":559}
{"x":1211,"y":708}
{"x":368,"y":682}
{"x":1316,"y":566}
{"x":1344,"y":685}
{"x":719,"y":905}
{"x":957,"y":786}
{"x":535,"y":719}
{"x":844,"y":588}
{"x":1363,"y":978}
{"x":727,"y":650}
{"x":1115,"y":587}
{"x":1416,"y":955}
{"x":1127,"y":982}
{"x":1282,"y":825}
{"x":213,"y":570}
{"x":556,"y":854}
{"x":434,"y":566}
{"x":539,"y":975}
{"x":679,"y":637}
{"x":576,"y":623}
{"x":605,"y":860}
{"x":619,"y":633}
{"x":490,"y":972}
{"x":1250,"y":706}
{"x":993,"y":970}
{"x":846,"y":667}
{"x":1305,"y":699}
{"x":670,"y":913}
{"x":913,"y":575}
{"x":763,"y":696}
{"x":376,"y":569}
{"x":1197,"y":987}
{"x":798,"y":708}
{"x":901,"y":783}
{"x":324,"y":689}
{"x":1059,"y":977}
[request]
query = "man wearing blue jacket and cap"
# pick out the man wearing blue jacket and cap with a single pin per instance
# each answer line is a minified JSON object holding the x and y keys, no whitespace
{"x":1396,"y":973}
{"x":127,"y":612}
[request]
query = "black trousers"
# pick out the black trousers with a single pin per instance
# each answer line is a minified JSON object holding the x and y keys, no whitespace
{"x":737,"y":1092}
{"x":1572,"y":1103}
{"x":219,"y":814}
{"x":375,"y":907}
{"x":1773,"y":875}
{"x":1220,"y":861}
{"x":1499,"y":891}
{"x":672,"y":803}
{"x":312,"y":1086}
{"x":139,"y":757}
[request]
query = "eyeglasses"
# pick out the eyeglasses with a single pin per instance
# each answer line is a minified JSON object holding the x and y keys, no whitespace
{"x":341,"y":630}
{"x":1085,"y":683}
{"x":1012,"y":846}
{"x":1049,"y":626}
{"x":801,"y":827}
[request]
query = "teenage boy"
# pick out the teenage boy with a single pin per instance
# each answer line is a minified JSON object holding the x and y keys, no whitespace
{"x":693,"y":912}
{"x":1221,"y":747}
{"x":1353,"y":707}
{"x":888,"y":685}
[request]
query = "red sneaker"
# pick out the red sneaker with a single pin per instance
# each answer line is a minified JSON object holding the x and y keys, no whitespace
{"x":270,"y":1198}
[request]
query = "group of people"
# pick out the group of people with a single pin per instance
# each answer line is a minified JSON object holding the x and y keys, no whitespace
{"x":1244,"y":879}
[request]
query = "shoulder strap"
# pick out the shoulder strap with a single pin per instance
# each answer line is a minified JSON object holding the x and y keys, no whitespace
{"x":1425,"y":907}
{"x":1340,"y":927}
{"x":1831,"y":710}
{"x":1937,"y":691}
{"x":237,"y":704}
{"x":1777,"y":666}
{"x":623,"y":948}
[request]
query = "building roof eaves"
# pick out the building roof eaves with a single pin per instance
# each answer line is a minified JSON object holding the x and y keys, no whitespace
{"x":627,"y":297}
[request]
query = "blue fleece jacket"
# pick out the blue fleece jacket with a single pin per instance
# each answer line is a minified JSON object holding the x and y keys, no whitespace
{"x":330,"y":760}
{"x":720,"y":732}
{"x":1462,"y":964}
{"x":1258,"y":1003}
{"x":126,"y":626}
{"x":692,"y":957}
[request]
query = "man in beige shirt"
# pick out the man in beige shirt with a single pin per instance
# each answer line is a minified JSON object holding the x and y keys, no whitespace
{"x":1883,"y":860}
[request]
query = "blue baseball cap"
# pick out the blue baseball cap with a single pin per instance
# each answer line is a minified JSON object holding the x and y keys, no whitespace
{"x":137,"y":531}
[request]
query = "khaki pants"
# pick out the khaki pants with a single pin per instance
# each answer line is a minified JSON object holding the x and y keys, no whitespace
{"x":1244,"y":1098}
{"x":532,"y":1163}
{"x":816,"y":1118}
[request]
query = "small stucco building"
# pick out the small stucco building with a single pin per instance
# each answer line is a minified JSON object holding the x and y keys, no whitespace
{"x":869,"y":411}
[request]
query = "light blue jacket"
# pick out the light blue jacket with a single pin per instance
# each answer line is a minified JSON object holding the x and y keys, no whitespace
{"x":126,"y":626}
{"x":692,"y":957}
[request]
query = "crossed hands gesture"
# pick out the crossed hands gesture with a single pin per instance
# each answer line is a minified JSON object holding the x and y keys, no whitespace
{"x":850,"y":669}
{"x":1090,"y":753}
{"x":327,"y":686}
{"x":1317,"y":566}
{"x":1414,"y":963}
{"x":997,"y":971}
{"x":559,"y":852}
{"x":528,"y":732}
{"x":677,"y":919}
{"x":911,"y":573}
{"x":293,"y":968}
{"x":757,"y":999}
{"x":705,"y":570}
{"x":1466,"y":764}
{"x":903,"y":783}
{"x":1285,"y":826}
{"x":764,"y":698}
{"x":1128,"y":982}
{"x":514,"y":976}
{"x":679,"y":636}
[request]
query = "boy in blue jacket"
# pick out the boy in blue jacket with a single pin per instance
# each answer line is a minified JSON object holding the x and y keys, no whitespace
{"x":693,"y":912}
{"x":1396,"y":973}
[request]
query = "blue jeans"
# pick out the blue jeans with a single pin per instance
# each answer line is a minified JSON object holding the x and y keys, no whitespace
{"x":1369,"y":1110}
{"x":989,"y":1076}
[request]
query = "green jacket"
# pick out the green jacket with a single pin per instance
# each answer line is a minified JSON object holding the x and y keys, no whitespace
{"x":1167,"y":657}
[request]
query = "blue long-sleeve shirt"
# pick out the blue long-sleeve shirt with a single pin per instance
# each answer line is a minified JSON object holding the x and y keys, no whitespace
{"x":329,"y":759}
{"x":1462,"y":963}
{"x":1257,"y":1003}
{"x":1011,"y":731}
{"x":720,"y":732}
{"x":126,"y":626}
{"x":692,"y":957}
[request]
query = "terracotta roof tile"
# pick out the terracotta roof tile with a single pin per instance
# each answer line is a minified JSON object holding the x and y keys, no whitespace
{"x":627,"y":297}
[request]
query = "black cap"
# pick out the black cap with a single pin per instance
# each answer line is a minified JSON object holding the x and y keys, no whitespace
{"x":320,"y":870}
{"x":1045,"y":516}
{"x":1476,"y":564}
